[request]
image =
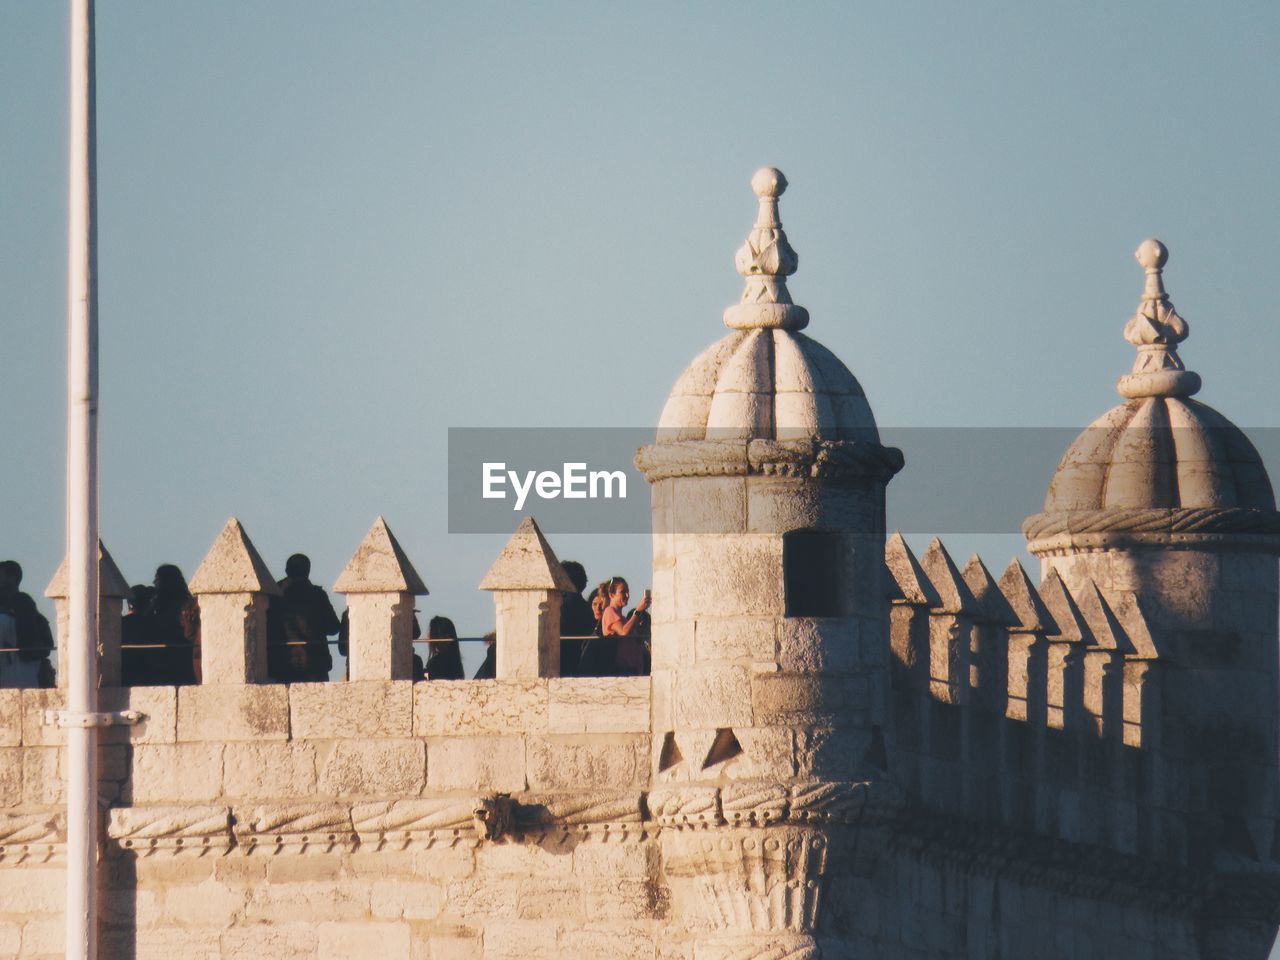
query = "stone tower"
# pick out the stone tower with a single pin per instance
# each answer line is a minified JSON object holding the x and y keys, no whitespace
{"x":1164,"y":504}
{"x":770,"y":649}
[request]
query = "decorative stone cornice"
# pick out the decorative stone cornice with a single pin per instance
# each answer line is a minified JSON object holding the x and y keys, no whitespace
{"x":196,"y":830}
{"x":405,"y":822}
{"x":762,"y":803}
{"x":296,"y":827}
{"x":1052,"y":534}
{"x":32,"y":836}
{"x":809,"y":457}
{"x":610,"y":814}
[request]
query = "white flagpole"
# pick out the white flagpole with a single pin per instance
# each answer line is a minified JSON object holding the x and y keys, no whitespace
{"x":81,"y":667}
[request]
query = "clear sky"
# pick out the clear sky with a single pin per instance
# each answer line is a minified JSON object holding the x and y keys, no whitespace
{"x":330,"y":231}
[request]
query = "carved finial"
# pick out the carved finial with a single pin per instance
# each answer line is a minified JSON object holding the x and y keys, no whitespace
{"x":1156,"y":329}
{"x":766,"y":260}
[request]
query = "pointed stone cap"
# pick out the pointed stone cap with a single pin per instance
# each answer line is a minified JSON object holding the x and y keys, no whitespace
{"x":1128,"y":610}
{"x":233,"y":565}
{"x":111,"y":582}
{"x":1020,"y":592}
{"x":995,"y":608}
{"x":527,"y":562}
{"x":1156,"y":330}
{"x":1108,"y":634}
{"x":766,"y":260}
{"x":907,"y":582}
{"x":946,"y":580}
{"x":379,"y":565}
{"x":1072,"y":627}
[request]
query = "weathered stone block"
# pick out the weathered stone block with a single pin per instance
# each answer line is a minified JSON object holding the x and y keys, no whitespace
{"x":310,"y":901}
{"x":310,"y":868}
{"x":597,"y":705}
{"x":357,"y":710}
{"x":39,"y":890}
{"x":673,"y":643}
{"x":175,"y":773}
{"x":479,"y":707}
{"x":35,"y":732}
{"x":208,"y":904}
{"x":11,"y":763}
{"x":710,"y":697}
{"x":265,"y":771}
{"x":476,"y":763}
{"x":270,"y":941}
{"x":10,"y":718}
{"x":364,"y":941}
{"x":799,"y":700}
{"x":520,"y":940}
{"x":728,"y":576}
{"x":376,"y":768}
{"x":406,"y":899}
{"x":448,"y":943}
{"x":223,"y":712}
{"x":445,"y":862}
{"x":158,"y":705}
{"x":739,"y":638}
{"x":593,"y":858}
{"x":44,"y":775}
{"x":162,"y":943}
{"x":583,"y":762}
{"x":810,"y":645}
{"x":709,"y":505}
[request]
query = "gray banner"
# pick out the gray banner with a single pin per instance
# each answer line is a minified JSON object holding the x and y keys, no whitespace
{"x":956,"y":479}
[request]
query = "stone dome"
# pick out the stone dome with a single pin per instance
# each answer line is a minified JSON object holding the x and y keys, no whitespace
{"x":1160,"y":463}
{"x":766,"y":380}
{"x":1160,"y":452}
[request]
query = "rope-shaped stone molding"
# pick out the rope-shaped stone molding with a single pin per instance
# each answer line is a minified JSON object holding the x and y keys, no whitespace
{"x":451,"y":820}
{"x":146,"y":830}
{"x":764,"y":803}
{"x":1154,"y":521}
{"x":829,"y":459}
{"x":31,"y":836}
{"x":469,"y":818}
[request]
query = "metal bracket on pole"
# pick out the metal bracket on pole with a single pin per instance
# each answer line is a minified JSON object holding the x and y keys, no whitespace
{"x":68,"y":718}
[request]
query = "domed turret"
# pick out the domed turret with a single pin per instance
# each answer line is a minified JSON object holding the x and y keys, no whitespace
{"x":1164,"y":504}
{"x":1159,"y":463}
{"x":766,"y":379}
{"x":770,"y":647}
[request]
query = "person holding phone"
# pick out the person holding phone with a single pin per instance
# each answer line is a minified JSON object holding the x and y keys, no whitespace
{"x":630,"y":629}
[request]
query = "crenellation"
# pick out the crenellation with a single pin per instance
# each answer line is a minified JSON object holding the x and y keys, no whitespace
{"x":842,"y":750}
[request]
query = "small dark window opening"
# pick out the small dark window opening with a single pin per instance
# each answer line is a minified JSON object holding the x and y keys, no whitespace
{"x":813,"y":566}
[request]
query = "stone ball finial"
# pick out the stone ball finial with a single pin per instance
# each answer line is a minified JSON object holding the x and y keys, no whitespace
{"x":1152,"y":254}
{"x":768,"y":182}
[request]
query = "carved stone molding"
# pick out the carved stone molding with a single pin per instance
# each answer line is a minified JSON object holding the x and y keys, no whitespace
{"x":685,"y":806}
{"x":607,"y":816}
{"x":38,"y":837}
{"x":762,"y":879}
{"x":402,"y":823}
{"x":827,"y":459}
{"x":761,"y":803}
{"x":754,"y":804}
{"x":1192,"y":527}
{"x":197,"y":830}
{"x":277,"y":828}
